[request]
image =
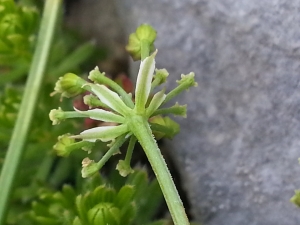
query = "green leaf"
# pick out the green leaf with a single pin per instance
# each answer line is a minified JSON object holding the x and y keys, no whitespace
{"x":81,"y":209}
{"x":124,"y":196}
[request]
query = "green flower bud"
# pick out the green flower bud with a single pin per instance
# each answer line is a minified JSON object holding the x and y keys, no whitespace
{"x":69,"y":85}
{"x":188,"y":80}
{"x":159,"y":78}
{"x":144,"y":34}
{"x":185,"y":83}
{"x":63,"y":146}
{"x":296,"y":198}
{"x":66,"y":144}
{"x":56,"y":116}
{"x":95,"y":75}
{"x":89,"y":167}
{"x":134,"y":47}
{"x":104,"y":213}
{"x":124,"y":168}
{"x":92,"y":101}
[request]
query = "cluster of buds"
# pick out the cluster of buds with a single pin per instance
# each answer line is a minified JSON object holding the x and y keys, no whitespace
{"x":119,"y":109}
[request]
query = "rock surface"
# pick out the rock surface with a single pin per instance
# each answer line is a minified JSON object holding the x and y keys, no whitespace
{"x":238,"y":148}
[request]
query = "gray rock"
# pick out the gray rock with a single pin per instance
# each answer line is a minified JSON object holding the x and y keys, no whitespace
{"x":98,"y":20}
{"x":238,"y":148}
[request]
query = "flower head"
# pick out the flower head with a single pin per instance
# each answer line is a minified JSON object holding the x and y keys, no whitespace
{"x":144,"y":33}
{"x":119,"y":109}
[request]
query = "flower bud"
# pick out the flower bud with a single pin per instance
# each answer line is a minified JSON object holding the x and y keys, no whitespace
{"x":144,"y":33}
{"x":63,"y":146}
{"x":66,"y":144}
{"x":95,"y":75}
{"x":188,"y":80}
{"x":56,"y":116}
{"x":124,"y":168}
{"x":69,"y":85}
{"x":296,"y":198}
{"x":89,"y":167}
{"x":160,"y":77}
{"x":184,"y":83}
{"x":104,"y":213}
{"x":92,"y":101}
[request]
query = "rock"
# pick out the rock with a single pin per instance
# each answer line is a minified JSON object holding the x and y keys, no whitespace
{"x":98,"y":20}
{"x":237,"y":150}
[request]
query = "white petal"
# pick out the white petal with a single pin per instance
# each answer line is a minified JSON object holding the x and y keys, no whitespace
{"x":103,"y":115}
{"x":143,"y":83}
{"x":156,"y":101}
{"x":105,"y":133}
{"x":109,"y":98}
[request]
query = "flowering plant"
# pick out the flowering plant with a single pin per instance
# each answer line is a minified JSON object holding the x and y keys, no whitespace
{"x":128,"y":119}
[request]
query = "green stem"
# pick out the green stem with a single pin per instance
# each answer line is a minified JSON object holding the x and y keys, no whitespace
{"x":140,"y":128}
{"x":185,"y":83}
{"x":145,"y":49}
{"x":178,"y":110}
{"x":113,"y":150}
{"x":31,"y":93}
{"x":130,"y":149}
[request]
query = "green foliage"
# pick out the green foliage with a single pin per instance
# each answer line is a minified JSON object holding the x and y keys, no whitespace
{"x":18,"y":25}
{"x":18,"y":33}
{"x":10,"y":99}
{"x":135,"y":200}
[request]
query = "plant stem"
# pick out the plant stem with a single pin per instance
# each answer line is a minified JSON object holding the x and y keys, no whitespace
{"x":145,"y":49}
{"x":130,"y":149}
{"x":140,"y":128}
{"x":31,"y":93}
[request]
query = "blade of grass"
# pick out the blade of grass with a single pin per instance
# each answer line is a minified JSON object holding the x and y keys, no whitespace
{"x":31,"y":93}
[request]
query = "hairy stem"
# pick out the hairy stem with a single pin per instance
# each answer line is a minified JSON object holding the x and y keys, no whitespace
{"x":31,"y":93}
{"x":140,"y":128}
